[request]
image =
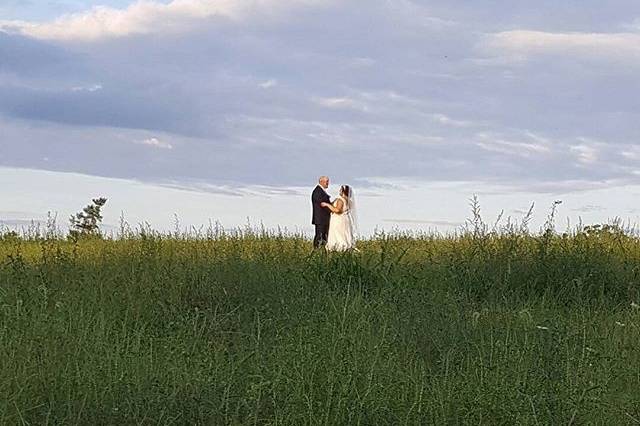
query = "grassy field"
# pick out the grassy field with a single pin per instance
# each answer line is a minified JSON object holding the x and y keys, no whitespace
{"x":480,"y":328}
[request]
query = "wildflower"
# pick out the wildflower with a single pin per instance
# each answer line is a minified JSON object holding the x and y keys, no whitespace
{"x":621,"y":324}
{"x":634,"y":305}
{"x":541,"y":327}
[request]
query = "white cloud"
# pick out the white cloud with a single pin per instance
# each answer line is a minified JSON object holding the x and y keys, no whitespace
{"x":493,"y":143}
{"x":446,"y":120}
{"x":523,"y":43}
{"x":340,"y":103}
{"x":91,"y":88}
{"x":633,"y":26}
{"x":156,"y":143}
{"x":589,"y":208}
{"x":586,"y":154}
{"x":268,"y":84}
{"x":146,"y":16}
{"x":256,"y":85}
{"x":631,"y":153}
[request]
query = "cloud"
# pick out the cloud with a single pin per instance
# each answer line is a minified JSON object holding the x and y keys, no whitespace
{"x":28,"y":57}
{"x":91,"y":88}
{"x":155,"y":143}
{"x":277,"y":92}
{"x":268,"y":84}
{"x":20,"y":223}
{"x":566,"y":186}
{"x":631,"y":153}
{"x":589,"y":208}
{"x":585,"y":153}
{"x":444,"y":119}
{"x":340,"y":103}
{"x":5,"y":214}
{"x":494,"y":143}
{"x":146,"y":17}
{"x":525,"y":43}
{"x":520,"y":211}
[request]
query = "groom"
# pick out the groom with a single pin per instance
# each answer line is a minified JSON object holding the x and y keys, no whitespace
{"x":321,"y":215}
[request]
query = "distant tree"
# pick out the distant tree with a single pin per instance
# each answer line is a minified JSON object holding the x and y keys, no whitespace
{"x":86,"y":223}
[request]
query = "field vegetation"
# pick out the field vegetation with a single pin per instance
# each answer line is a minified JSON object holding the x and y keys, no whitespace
{"x":492,"y":325}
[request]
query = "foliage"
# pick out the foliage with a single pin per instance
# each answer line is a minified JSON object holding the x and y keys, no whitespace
{"x":495,"y":325}
{"x":86,"y":222}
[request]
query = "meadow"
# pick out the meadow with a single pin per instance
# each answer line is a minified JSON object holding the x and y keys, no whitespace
{"x":487,"y":326}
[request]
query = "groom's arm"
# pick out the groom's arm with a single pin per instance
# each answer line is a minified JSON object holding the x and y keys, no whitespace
{"x":337,"y":208}
{"x":319,"y":196}
{"x":316,"y":197}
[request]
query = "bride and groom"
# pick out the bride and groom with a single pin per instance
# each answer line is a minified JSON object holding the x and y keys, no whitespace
{"x":335,"y":221}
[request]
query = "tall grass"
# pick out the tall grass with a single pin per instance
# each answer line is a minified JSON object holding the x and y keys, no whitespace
{"x":494,"y":325}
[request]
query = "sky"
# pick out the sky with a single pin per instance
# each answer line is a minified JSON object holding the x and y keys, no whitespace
{"x":231,"y":109}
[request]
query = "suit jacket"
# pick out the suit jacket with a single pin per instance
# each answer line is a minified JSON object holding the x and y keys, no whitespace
{"x":321,"y":215}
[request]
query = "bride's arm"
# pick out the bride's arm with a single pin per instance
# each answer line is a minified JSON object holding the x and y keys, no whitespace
{"x":335,"y":209}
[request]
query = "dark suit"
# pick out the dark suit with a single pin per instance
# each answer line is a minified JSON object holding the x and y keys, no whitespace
{"x":321,"y":216}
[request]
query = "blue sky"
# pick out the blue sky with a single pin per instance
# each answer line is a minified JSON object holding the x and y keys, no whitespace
{"x":216,"y":96}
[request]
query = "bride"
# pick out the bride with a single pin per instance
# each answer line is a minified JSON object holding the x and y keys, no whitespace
{"x":342,"y":225}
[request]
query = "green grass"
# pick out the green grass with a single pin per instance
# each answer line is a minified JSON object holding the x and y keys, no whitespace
{"x":478,"y":328}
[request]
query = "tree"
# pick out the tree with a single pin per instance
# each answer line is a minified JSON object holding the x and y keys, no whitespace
{"x":85,"y":223}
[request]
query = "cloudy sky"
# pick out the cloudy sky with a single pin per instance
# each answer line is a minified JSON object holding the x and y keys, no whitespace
{"x":252,"y":99}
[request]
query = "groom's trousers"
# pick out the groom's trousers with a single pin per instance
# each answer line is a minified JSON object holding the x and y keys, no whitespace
{"x":322,"y":233}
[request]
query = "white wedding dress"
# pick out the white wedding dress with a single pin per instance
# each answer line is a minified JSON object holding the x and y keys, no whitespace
{"x":342,"y":229}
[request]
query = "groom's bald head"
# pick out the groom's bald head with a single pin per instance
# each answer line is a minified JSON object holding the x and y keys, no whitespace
{"x":324,"y":181}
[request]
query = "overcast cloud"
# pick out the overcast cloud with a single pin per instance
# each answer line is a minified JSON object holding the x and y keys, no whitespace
{"x":537,"y":95}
